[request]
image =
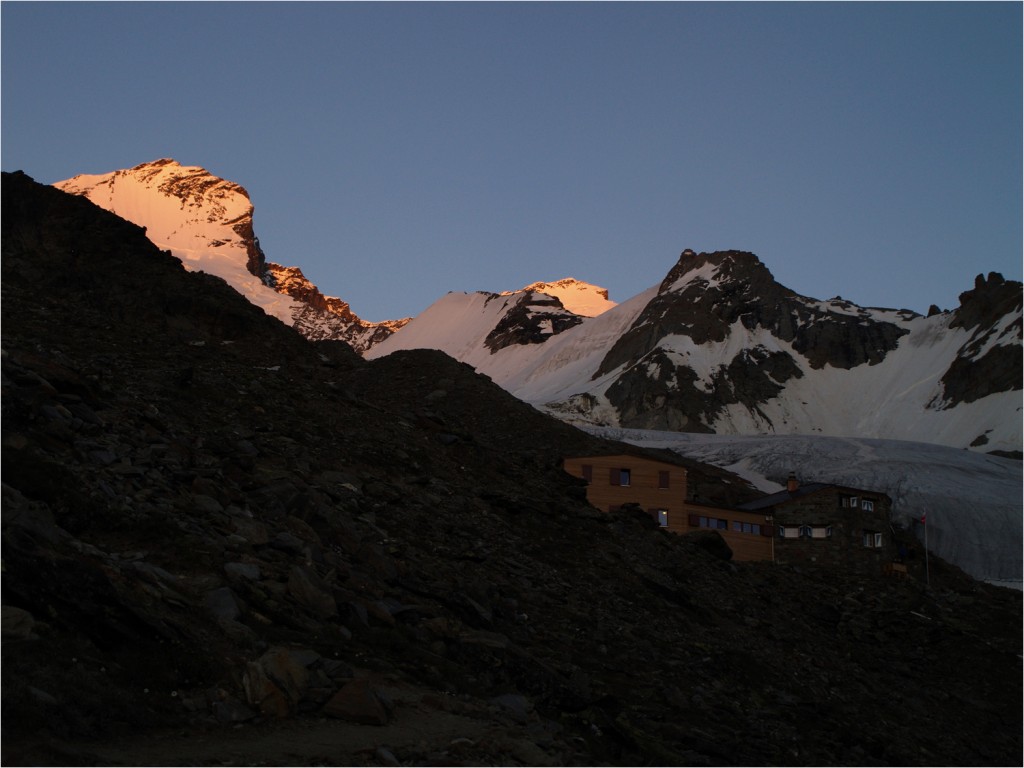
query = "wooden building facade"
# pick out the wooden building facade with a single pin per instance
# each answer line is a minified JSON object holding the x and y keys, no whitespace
{"x":660,"y":488}
{"x":613,"y":481}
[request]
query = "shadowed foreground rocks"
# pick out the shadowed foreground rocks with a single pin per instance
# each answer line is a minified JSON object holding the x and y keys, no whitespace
{"x":222,"y":543}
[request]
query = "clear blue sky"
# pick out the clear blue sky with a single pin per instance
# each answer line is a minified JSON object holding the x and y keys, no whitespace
{"x":398,"y":151}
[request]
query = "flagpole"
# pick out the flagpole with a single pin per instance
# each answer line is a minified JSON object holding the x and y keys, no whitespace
{"x":927,"y":569}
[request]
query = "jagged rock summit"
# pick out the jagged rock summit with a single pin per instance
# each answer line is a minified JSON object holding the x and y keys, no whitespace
{"x":207,"y":222}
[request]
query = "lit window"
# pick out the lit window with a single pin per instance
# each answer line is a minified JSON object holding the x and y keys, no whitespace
{"x":662,"y":517}
{"x":867,"y":505}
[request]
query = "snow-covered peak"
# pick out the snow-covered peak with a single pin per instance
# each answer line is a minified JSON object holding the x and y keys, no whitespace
{"x":202,"y":219}
{"x":182,"y":207}
{"x":578,"y":297}
{"x":206,"y":221}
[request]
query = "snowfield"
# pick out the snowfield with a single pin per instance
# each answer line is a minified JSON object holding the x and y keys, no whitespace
{"x":973,"y":501}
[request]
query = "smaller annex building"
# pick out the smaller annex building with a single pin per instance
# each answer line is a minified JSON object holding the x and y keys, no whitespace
{"x":814,"y":522}
{"x":818,"y":522}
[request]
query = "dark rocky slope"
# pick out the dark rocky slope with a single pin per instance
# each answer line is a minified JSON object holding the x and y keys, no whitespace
{"x":213,"y":527}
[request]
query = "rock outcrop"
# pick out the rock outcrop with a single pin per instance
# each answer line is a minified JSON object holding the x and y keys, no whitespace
{"x":324,"y":318}
{"x":991,"y":361}
{"x":533,"y":319}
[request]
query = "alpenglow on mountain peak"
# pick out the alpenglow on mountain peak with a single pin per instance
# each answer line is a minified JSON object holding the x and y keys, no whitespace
{"x":207,"y":222}
{"x":579,"y":297}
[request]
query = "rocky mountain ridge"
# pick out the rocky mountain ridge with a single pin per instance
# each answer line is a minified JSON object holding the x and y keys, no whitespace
{"x":718,"y":346}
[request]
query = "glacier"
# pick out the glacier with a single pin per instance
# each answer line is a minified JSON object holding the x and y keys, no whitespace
{"x":972,"y":500}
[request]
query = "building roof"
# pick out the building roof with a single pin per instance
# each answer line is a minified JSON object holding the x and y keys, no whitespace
{"x":656,"y":455}
{"x":805,"y":489}
{"x":782,"y":497}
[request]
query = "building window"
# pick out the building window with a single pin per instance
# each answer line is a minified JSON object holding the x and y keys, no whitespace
{"x":619,"y":477}
{"x":806,"y":532}
{"x":588,"y":472}
{"x":741,"y":527}
{"x":854,"y":502}
{"x":713,"y":522}
{"x":782,"y":531}
{"x":872,"y":539}
{"x":663,"y":478}
{"x":661,"y":515}
{"x":867,"y":505}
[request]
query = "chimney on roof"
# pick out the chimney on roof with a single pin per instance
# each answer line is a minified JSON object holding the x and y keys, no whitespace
{"x":792,"y":483}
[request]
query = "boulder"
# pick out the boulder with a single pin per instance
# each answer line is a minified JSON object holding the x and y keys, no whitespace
{"x":357,"y":702}
{"x":309,"y":592}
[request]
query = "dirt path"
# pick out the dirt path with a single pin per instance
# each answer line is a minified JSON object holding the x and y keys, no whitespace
{"x":425,"y":729}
